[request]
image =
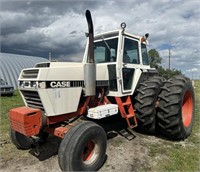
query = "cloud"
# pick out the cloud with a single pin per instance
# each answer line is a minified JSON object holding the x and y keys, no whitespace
{"x":193,"y":70}
{"x":39,"y":27}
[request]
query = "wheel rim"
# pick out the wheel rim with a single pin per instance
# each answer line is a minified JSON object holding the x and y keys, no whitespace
{"x":90,"y":152}
{"x":187,"y":109}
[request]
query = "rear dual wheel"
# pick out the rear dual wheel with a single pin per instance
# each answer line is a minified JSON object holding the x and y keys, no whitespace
{"x":176,"y":108}
{"x":83,"y":148}
{"x":146,"y":103}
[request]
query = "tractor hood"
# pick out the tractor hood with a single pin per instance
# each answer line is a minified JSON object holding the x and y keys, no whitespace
{"x":58,"y":73}
{"x":54,"y":71}
{"x":56,"y":87}
{"x":65,"y":71}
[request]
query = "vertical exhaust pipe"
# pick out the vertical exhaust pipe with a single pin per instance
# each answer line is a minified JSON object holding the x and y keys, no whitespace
{"x":90,"y":67}
{"x":91,"y":36}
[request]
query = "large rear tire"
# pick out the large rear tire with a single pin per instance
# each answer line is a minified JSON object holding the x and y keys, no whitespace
{"x":83,"y":148}
{"x":145,"y":103}
{"x":176,"y":108}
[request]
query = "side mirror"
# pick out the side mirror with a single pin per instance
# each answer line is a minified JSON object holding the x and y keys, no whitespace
{"x":144,"y":38}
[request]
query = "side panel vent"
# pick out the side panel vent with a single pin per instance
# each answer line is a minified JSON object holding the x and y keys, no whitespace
{"x":31,"y":73}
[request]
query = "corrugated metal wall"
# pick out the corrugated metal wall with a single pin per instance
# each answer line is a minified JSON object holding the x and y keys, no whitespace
{"x":12,"y":64}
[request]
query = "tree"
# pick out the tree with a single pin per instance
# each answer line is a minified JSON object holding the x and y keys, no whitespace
{"x":155,"y":61}
{"x":168,"y":73}
{"x":155,"y":58}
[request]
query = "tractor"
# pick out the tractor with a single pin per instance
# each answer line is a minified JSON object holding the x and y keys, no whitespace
{"x":114,"y":78}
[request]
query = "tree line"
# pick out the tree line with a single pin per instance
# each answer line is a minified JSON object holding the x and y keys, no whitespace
{"x":155,"y":62}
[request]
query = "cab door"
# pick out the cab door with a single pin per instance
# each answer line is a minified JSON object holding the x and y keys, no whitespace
{"x":130,"y":62}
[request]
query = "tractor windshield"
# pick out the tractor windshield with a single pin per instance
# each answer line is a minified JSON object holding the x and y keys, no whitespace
{"x":105,"y":50}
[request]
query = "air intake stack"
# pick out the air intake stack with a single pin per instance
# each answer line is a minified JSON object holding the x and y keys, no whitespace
{"x":90,"y":68}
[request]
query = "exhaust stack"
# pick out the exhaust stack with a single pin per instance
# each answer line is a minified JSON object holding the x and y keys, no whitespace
{"x":90,"y":68}
{"x":91,"y":36}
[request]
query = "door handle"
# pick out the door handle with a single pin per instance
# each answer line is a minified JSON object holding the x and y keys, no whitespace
{"x":124,"y":65}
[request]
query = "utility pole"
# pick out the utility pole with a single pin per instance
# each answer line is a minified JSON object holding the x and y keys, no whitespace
{"x":50,"y":56}
{"x":169,"y":57}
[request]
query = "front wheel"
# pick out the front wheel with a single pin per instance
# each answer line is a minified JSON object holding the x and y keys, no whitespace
{"x":20,"y":141}
{"x":83,"y":148}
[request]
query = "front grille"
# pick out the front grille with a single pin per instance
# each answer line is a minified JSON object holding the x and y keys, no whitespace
{"x":31,"y":73}
{"x":32,"y":99}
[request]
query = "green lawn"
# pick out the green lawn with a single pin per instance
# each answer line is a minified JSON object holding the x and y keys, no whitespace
{"x":8,"y":103}
{"x":183,"y":155}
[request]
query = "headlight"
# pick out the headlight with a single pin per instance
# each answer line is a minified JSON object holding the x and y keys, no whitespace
{"x":34,"y":84}
{"x":42,"y":85}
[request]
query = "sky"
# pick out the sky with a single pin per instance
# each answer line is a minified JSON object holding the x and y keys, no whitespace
{"x":38,"y":27}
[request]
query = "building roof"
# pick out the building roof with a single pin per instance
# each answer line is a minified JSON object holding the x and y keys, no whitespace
{"x":12,"y":64}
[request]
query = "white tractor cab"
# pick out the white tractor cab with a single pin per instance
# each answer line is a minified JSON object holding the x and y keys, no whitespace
{"x":114,"y":78}
{"x":121,"y":58}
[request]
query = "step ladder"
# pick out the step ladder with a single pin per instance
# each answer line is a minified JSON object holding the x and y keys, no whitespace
{"x":126,"y":110}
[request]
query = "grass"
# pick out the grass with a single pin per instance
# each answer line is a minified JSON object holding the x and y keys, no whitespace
{"x":179,"y":156}
{"x":8,"y":103}
{"x":8,"y":150}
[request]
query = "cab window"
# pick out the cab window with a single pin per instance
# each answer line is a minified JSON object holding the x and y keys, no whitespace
{"x":145,"y":58}
{"x":105,"y":50}
{"x":131,"y":53}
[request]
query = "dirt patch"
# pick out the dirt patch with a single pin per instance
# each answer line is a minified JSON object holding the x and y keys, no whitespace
{"x":28,"y":161}
{"x":122,"y":154}
{"x":125,"y":155}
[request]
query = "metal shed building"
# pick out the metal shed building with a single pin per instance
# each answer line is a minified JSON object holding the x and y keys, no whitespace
{"x":12,"y":64}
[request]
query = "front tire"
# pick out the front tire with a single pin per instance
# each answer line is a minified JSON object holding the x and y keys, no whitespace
{"x":176,"y":109}
{"x":20,"y":141}
{"x":83,"y":148}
